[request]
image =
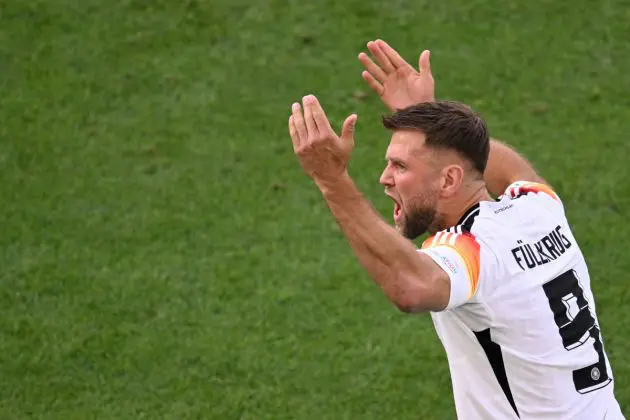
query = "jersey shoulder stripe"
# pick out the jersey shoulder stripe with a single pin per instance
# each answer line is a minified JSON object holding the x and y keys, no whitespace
{"x":465,"y":246}
{"x":521,"y":188}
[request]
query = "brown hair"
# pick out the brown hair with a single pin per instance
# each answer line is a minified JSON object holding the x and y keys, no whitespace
{"x":446,"y":124}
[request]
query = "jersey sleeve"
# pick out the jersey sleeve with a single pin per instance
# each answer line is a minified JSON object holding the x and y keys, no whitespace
{"x":459,"y":255}
{"x":520,"y":188}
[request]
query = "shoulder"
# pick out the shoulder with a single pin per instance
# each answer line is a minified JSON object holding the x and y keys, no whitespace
{"x":534,"y":200}
{"x":456,"y":249}
{"x":463,"y":237}
{"x":524,"y":188}
{"x":456,"y":237}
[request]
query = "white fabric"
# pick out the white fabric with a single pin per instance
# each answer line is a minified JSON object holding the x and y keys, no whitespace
{"x":529,"y":288}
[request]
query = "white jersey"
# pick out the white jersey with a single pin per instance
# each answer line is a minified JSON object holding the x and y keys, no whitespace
{"x":520,"y":331}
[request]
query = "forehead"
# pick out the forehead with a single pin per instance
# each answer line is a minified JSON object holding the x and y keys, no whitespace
{"x":406,"y":144}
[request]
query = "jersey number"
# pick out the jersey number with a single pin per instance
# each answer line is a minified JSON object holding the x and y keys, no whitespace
{"x":576,"y":325}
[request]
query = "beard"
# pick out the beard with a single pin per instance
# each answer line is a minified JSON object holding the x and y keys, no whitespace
{"x":421,"y":216}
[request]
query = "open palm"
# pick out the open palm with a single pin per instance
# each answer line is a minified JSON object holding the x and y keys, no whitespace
{"x":396,"y":82}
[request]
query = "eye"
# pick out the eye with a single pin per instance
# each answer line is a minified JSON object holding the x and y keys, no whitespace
{"x":400,"y":166}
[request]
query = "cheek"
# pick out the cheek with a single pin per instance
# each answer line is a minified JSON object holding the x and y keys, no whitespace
{"x":408,"y":188}
{"x":415,"y":191}
{"x":410,"y":185}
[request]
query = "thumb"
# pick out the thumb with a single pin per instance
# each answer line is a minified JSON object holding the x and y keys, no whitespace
{"x":347,"y":132}
{"x":424,"y":63}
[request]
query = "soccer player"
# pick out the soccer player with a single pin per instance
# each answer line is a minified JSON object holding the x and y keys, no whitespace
{"x":503,"y":278}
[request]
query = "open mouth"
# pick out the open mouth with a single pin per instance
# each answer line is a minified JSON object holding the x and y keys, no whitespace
{"x":397,"y":209}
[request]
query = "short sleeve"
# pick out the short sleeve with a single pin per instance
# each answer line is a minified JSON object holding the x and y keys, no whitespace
{"x":520,"y":188}
{"x":458,"y":254}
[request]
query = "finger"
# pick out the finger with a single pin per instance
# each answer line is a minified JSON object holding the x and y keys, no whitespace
{"x":295,"y":138}
{"x":347,"y":131}
{"x":380,"y":56}
{"x":392,"y":55}
{"x":373,"y":83}
{"x":424,"y":63}
{"x":372,"y":67}
{"x":311,"y":127}
{"x":298,"y":121}
{"x":319,"y":116}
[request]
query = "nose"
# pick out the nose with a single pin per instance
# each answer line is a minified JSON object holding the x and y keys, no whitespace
{"x":386,"y":178}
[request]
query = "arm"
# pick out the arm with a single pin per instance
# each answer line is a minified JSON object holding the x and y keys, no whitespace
{"x":506,"y":166}
{"x":410,"y":279}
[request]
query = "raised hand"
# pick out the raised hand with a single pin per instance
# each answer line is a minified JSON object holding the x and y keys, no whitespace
{"x":322,"y":154}
{"x":393,"y":79}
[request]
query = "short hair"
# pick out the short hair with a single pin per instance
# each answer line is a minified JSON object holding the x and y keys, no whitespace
{"x":446,"y":125}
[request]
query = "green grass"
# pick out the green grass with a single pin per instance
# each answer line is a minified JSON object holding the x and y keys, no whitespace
{"x":163,"y":256}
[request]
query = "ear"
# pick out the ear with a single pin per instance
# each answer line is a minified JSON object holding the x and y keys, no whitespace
{"x":451,"y":179}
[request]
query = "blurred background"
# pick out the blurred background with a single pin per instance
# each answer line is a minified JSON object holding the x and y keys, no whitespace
{"x":163,"y":256}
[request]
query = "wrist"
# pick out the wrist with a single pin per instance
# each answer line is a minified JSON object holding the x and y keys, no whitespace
{"x":339,"y":185}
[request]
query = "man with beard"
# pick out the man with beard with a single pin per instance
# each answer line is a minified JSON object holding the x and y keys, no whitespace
{"x":503,"y":279}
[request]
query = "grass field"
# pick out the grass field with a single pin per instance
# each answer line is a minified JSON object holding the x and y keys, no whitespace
{"x":163,"y":256}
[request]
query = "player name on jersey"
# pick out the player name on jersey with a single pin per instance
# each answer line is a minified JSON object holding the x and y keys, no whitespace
{"x":548,"y":248}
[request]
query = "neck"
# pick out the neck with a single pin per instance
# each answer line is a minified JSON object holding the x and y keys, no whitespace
{"x":474,"y":194}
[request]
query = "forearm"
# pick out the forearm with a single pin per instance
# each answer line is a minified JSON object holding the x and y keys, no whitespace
{"x":391,"y":260}
{"x":506,"y":166}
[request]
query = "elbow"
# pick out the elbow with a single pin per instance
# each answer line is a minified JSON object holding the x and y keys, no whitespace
{"x":412,"y":306}
{"x":409,"y":308}
{"x":415,"y":295}
{"x":412,"y":299}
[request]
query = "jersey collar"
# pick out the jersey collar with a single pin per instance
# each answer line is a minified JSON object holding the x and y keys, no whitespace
{"x":467,"y":220}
